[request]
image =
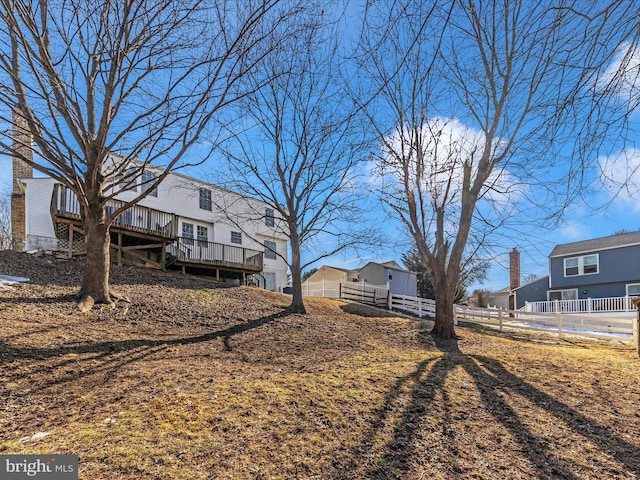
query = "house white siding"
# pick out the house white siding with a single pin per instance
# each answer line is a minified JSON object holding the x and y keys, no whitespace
{"x":40,"y":233}
{"x":180,"y":195}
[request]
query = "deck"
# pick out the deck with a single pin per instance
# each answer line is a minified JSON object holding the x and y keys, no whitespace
{"x":150,"y":236}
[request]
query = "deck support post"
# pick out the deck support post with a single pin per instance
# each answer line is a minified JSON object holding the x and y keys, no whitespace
{"x":119,"y":247}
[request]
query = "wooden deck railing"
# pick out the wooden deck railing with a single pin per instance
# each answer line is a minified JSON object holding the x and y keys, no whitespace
{"x":147,"y":221}
{"x":191,"y":251}
{"x":136,"y":218}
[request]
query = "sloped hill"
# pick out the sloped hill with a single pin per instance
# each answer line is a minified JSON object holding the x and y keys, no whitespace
{"x":197,"y":380}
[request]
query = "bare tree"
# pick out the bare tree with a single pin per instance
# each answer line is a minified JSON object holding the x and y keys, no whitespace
{"x":299,"y":146}
{"x":5,"y":221}
{"x":141,"y":78}
{"x":477,"y":99}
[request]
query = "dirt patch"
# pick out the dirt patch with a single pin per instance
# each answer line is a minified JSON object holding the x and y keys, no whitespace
{"x":200,"y":381}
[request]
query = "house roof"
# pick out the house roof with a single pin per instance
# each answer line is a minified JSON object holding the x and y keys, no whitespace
{"x":596,"y":244}
{"x":545,"y":278}
{"x":390,"y":264}
{"x":345,"y":270}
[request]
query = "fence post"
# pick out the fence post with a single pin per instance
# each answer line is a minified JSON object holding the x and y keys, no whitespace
{"x":559,"y":315}
{"x":627,"y":303}
{"x":590,"y":303}
{"x":389,"y":301}
{"x":636,"y":324}
{"x":636,"y":334}
{"x":500,"y":319}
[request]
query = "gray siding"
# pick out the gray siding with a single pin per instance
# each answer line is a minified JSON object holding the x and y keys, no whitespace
{"x":535,"y":291}
{"x":616,"y":268}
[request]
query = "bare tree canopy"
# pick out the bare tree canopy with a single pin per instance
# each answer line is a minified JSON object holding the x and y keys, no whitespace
{"x":109,"y":89}
{"x":299,"y":141}
{"x":481,"y":100}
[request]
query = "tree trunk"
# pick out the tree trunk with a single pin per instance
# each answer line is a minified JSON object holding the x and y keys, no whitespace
{"x":297,"y":303}
{"x":95,"y":281}
{"x":443,"y":327}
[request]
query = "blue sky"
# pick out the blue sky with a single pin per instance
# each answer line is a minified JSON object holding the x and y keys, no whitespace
{"x":605,"y":209}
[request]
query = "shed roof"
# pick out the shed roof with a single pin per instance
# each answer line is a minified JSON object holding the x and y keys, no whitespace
{"x":596,"y":244}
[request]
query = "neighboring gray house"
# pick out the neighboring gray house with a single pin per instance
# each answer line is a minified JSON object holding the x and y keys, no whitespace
{"x":401,"y":281}
{"x":604,"y":267}
{"x":531,"y":292}
{"x":325,"y":282}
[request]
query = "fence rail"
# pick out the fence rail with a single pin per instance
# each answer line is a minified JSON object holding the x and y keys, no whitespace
{"x":586,"y":324}
{"x":414,"y":305}
{"x":582,"y":305}
{"x":560,"y":323}
{"x":369,"y":294}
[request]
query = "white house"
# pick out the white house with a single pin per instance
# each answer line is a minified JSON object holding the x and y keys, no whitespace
{"x":180,"y":223}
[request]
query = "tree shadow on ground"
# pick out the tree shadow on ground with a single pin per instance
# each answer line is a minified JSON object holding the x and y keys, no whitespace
{"x":366,"y":311}
{"x":84,"y":359}
{"x":494,"y":385}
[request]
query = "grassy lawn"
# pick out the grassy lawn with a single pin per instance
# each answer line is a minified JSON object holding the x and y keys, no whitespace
{"x":224,"y":384}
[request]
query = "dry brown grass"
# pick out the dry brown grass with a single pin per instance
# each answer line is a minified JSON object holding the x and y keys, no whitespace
{"x":197,"y":382}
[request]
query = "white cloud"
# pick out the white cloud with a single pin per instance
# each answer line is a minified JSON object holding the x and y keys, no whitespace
{"x":620,"y":178}
{"x":437,"y":153}
{"x":574,"y":231}
{"x":622,"y":76}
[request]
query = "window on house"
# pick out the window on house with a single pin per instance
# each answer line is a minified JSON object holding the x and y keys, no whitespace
{"x":203,"y":234}
{"x":205,"y":199}
{"x":146,"y":181}
{"x":585,"y":265}
{"x":590,"y":264}
{"x":390,"y":276}
{"x":570,"y":267}
{"x":270,"y":250}
{"x":187,"y":233}
{"x":633,"y":289}
{"x":129,"y":180}
{"x":236,"y":237}
{"x":571,"y":294}
{"x":269,"y":217}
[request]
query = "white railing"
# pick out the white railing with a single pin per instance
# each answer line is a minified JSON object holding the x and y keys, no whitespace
{"x":417,"y":306}
{"x":332,"y":289}
{"x":189,"y":250}
{"x":321,"y":289}
{"x":583,"y":305}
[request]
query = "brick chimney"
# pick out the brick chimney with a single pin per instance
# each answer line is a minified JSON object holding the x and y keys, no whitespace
{"x":514,"y":275}
{"x":514,"y":268}
{"x":21,"y":169}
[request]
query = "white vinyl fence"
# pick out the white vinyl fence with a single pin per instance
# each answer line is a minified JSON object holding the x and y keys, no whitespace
{"x":591,"y":325}
{"x":363,"y":292}
{"x":414,"y":305}
{"x":585,"y":325}
{"x":321,"y":289}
